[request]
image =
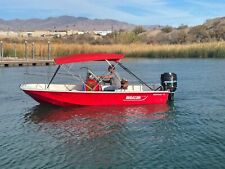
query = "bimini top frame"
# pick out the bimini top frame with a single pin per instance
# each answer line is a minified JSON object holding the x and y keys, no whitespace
{"x":87,"y":57}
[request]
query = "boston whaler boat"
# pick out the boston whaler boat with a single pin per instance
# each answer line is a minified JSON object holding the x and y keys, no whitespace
{"x":91,"y":92}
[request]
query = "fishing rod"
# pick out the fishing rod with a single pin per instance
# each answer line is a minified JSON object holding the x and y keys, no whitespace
{"x":131,"y":73}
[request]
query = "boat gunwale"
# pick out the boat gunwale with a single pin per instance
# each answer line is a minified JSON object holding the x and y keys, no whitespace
{"x":92,"y":92}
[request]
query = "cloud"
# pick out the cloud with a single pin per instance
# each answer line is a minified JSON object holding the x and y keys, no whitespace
{"x":164,"y":12}
{"x":207,"y":4}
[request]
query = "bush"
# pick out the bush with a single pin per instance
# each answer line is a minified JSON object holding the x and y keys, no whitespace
{"x":139,"y":29}
{"x":167,"y":29}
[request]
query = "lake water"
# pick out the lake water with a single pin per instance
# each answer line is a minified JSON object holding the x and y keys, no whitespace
{"x":189,"y":133}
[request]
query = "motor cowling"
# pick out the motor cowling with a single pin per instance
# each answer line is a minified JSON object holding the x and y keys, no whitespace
{"x":169,"y":82}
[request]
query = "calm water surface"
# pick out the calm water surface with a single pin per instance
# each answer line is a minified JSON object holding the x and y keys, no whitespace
{"x":190,"y":133}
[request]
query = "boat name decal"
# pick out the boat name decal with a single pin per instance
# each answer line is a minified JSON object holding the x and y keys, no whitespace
{"x":135,"y":98}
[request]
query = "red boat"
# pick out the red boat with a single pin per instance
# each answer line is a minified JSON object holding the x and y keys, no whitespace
{"x":90,"y":92}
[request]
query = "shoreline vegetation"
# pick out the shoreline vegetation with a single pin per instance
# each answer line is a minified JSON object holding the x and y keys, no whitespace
{"x":201,"y":41}
{"x":135,"y":50}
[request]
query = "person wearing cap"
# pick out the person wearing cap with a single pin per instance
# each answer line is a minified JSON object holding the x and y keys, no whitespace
{"x":113,"y":77}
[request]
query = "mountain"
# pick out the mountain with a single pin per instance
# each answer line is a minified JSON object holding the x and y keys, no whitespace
{"x":63,"y":23}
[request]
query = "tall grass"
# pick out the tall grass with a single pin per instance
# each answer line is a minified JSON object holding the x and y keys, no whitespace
{"x":196,"y":50}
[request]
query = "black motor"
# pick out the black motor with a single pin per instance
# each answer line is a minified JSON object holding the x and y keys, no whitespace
{"x":169,"y":82}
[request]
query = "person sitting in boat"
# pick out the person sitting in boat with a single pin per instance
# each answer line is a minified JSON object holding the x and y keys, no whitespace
{"x":91,"y":84}
{"x":113,"y":78}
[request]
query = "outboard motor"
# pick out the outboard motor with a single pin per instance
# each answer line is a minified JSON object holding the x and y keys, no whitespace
{"x":169,"y":82}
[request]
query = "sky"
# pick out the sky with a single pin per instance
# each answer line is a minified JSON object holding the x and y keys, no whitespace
{"x":139,"y":12}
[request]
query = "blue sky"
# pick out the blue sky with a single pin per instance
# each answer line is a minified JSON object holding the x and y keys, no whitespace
{"x":141,"y":12}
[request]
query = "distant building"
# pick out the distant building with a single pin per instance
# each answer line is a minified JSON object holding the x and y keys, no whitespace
{"x":102,"y":33}
{"x":49,"y":34}
{"x":8,"y":34}
{"x":80,"y":32}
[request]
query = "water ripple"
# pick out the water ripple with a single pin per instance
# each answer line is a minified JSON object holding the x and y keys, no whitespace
{"x":186,"y":134}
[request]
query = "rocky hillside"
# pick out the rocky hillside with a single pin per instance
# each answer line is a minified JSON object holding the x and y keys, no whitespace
{"x":211,"y":30}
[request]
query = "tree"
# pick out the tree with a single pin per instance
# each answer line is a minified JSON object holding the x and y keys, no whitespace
{"x":167,"y":29}
{"x":182,"y":26}
{"x":139,"y":29}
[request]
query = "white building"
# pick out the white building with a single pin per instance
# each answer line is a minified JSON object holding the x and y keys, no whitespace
{"x":102,"y":33}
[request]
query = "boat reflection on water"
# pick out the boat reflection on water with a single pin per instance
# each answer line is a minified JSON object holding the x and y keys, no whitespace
{"x":91,"y":121}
